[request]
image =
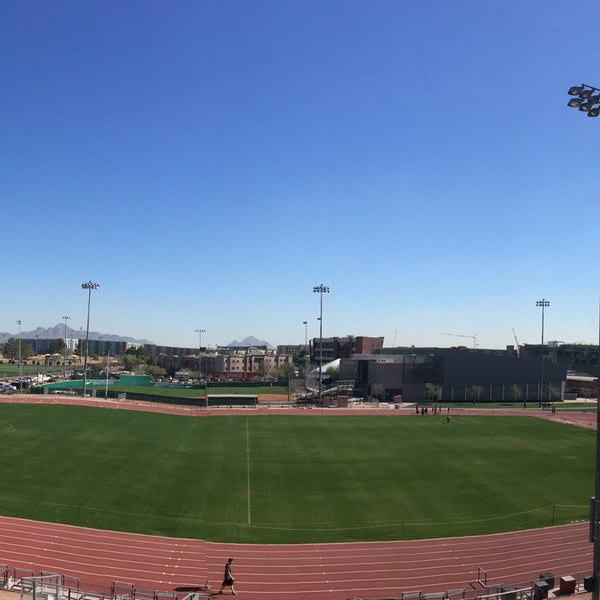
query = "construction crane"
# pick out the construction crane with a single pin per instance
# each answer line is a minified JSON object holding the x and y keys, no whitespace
{"x":473,"y":337}
{"x":517,"y":344}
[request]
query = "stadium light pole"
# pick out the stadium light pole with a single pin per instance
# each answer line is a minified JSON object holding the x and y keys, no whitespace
{"x":199,"y":332}
{"x":321,"y":289}
{"x":37,"y":354}
{"x":107,"y":374}
{"x":305,"y":323}
{"x":89,"y":286}
{"x":65,"y":319}
{"x":587,"y":99}
{"x":594,"y":500}
{"x":543,"y":303}
{"x":20,"y":358}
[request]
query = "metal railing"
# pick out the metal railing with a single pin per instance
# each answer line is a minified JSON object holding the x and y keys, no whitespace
{"x":50,"y":586}
{"x":482,"y":591}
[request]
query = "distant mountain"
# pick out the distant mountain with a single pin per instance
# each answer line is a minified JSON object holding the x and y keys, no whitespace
{"x":58,"y":332}
{"x":249,"y":341}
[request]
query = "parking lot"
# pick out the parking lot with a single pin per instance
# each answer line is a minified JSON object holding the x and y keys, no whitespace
{"x":24,"y":383}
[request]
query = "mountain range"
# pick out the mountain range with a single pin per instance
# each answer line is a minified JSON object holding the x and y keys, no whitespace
{"x":58,"y":332}
{"x":249,"y":341}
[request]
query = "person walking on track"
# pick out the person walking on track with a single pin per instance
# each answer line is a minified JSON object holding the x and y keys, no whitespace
{"x":228,"y":579}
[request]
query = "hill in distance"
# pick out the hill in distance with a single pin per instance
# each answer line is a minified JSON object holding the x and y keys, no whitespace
{"x":249,"y":341}
{"x":58,"y":332}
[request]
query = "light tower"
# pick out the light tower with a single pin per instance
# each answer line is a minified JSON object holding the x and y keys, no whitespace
{"x":65,"y":318}
{"x":543,"y":303}
{"x":199,"y":332}
{"x":321,"y":289}
{"x":89,"y":286}
{"x":20,"y":358}
{"x":305,"y":323}
{"x":587,"y":99}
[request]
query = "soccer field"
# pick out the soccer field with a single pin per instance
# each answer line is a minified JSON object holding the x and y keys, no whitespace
{"x":277,"y":479}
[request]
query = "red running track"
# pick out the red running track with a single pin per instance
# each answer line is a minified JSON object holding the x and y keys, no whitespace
{"x":294,"y":572}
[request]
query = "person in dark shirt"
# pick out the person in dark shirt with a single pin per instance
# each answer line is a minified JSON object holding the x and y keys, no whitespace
{"x":228,"y":579}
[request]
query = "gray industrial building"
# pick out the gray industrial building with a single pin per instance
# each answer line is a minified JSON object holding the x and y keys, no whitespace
{"x":455,"y":375}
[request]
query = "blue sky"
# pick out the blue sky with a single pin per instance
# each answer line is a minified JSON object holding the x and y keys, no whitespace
{"x":209,"y":162}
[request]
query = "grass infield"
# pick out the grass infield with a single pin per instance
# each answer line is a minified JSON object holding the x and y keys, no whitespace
{"x":291,"y":479}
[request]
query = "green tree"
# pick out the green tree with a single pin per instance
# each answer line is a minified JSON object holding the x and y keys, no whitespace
{"x":378,"y":391}
{"x":431,"y":392}
{"x":333,"y":373}
{"x":57,"y":347}
{"x":475,"y":392}
{"x":154,"y":370}
{"x":27,"y":351}
{"x":300,"y":357}
{"x":515,"y":392}
{"x":286,"y":371}
{"x":130,"y":362}
{"x":136,"y":351}
{"x":553,"y":393}
{"x":10,"y":349}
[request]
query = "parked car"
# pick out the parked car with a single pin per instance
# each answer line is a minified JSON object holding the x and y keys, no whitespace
{"x":23,"y":382}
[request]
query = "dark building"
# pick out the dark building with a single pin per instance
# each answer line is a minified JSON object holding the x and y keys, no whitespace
{"x":454,"y":375}
{"x":171,"y":351}
{"x":583,"y":358}
{"x":39,"y":346}
{"x":106,"y":347}
{"x":343,"y":347}
{"x":291,"y":348}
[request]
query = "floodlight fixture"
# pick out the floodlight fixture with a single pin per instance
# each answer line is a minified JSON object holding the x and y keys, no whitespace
{"x":585,"y":98}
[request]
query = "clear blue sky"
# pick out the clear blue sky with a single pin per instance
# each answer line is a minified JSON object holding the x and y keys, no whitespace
{"x":208,"y":162}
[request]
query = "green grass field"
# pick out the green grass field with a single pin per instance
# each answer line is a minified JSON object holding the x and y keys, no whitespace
{"x":277,"y":479}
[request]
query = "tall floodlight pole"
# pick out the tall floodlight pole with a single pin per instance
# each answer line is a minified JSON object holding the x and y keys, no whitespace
{"x":89,"y":286}
{"x":320,"y":289}
{"x":107,"y":374}
{"x":305,"y":323}
{"x":199,"y":332}
{"x":37,"y":353}
{"x":587,"y":99}
{"x":65,"y":319}
{"x":20,"y":358}
{"x":543,"y":303}
{"x":595,"y":499}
